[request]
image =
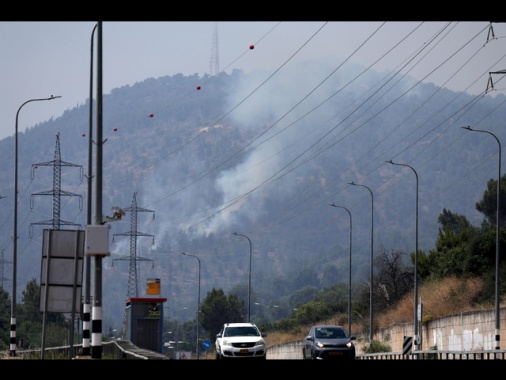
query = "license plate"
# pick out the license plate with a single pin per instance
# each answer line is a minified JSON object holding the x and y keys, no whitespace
{"x":335,"y":353}
{"x":243,"y":351}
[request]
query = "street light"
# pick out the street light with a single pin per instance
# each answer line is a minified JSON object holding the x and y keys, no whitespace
{"x":198,"y":302}
{"x":87,"y":274}
{"x":15,"y":234}
{"x":249,"y":283}
{"x":416,"y":257}
{"x":372,"y":258}
{"x":178,"y":331}
{"x":87,"y":289}
{"x":497,"y":245}
{"x":349,"y":272}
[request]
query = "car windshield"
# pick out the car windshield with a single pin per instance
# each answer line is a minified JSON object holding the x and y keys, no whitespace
{"x":241,"y":331}
{"x":330,"y":333}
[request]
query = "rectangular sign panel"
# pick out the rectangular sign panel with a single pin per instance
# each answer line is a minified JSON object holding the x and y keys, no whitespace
{"x":153,"y":286}
{"x":61,"y":270}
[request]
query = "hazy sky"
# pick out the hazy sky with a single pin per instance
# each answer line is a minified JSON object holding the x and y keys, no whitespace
{"x":40,"y":59}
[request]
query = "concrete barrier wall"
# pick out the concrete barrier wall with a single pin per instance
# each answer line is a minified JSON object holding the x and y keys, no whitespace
{"x":460,"y":332}
{"x":292,"y":350}
{"x":471,"y":331}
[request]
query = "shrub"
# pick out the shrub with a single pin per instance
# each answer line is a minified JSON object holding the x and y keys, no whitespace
{"x":376,"y":346}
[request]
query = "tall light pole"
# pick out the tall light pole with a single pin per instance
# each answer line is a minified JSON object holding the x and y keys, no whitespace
{"x":349,"y":271}
{"x":87,"y":289}
{"x":96,"y":311}
{"x":12,"y":345}
{"x":417,"y":340}
{"x":178,"y":331}
{"x":497,"y":245}
{"x":198,"y":302}
{"x":249,"y":283}
{"x":372,"y":260}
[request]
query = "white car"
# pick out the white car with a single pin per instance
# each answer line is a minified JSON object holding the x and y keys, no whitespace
{"x":240,"y":340}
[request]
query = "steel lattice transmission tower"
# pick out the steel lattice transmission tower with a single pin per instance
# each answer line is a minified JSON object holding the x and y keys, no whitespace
{"x":57,"y":192}
{"x":132,"y":286}
{"x":215,"y":58}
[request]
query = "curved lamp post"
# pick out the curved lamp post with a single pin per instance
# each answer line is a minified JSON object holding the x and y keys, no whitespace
{"x":249,"y":283}
{"x":87,"y":289}
{"x":497,"y":245}
{"x":178,"y":331}
{"x":198,"y":302}
{"x":417,"y":342}
{"x":372,"y":260}
{"x":349,"y":272}
{"x":15,"y":234}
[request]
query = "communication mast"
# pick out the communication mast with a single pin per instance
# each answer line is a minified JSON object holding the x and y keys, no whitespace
{"x":215,"y":59}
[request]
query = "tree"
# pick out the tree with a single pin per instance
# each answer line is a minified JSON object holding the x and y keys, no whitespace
{"x":314,"y":311}
{"x":241,"y":291}
{"x":393,"y":280}
{"x":29,"y":310}
{"x":488,"y":204}
{"x":461,"y":249}
{"x":303,"y":295}
{"x":30,"y":320}
{"x":5,"y":324}
{"x":455,"y":223}
{"x":218,"y":309}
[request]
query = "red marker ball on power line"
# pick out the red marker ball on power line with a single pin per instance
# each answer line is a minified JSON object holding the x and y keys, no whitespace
{"x":115,"y":129}
{"x":84,"y":134}
{"x":198,"y":87}
{"x":252,"y":47}
{"x":151,"y":115}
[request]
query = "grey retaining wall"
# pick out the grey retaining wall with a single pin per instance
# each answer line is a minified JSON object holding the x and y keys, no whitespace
{"x":470,"y":331}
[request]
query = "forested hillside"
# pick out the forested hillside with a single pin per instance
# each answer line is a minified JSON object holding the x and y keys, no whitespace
{"x":210,"y":156}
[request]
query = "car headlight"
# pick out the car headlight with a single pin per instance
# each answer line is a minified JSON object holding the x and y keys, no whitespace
{"x":319,"y":344}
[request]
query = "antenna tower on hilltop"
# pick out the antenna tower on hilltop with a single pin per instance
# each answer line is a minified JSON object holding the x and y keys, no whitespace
{"x":215,"y":59}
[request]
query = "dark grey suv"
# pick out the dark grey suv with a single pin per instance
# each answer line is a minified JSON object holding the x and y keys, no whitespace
{"x":328,"y":342}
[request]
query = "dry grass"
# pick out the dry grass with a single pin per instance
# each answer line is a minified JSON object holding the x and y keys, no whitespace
{"x":440,"y":298}
{"x":273,"y":338}
{"x":446,"y":297}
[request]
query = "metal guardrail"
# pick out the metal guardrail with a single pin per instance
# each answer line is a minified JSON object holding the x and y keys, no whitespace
{"x":437,"y":355}
{"x":293,"y":350}
{"x":114,"y":350}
